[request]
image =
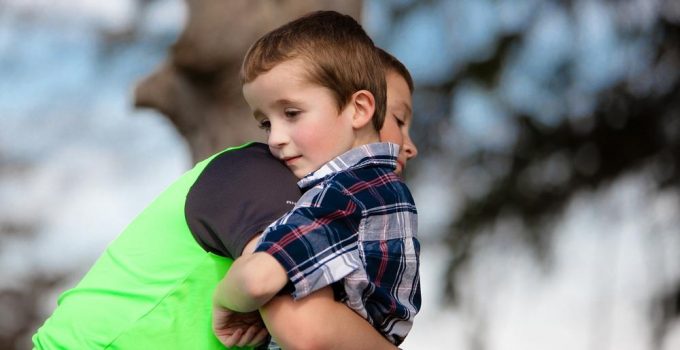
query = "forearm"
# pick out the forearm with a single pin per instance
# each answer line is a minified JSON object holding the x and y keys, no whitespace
{"x":251,"y":281}
{"x":317,"y":321}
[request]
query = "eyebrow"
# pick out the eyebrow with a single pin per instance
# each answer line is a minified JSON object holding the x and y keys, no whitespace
{"x":258,"y":113}
{"x":285,"y":101}
{"x":280,"y":102}
{"x":408,"y":108}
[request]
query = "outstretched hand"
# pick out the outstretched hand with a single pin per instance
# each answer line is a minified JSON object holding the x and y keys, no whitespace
{"x":238,"y":329}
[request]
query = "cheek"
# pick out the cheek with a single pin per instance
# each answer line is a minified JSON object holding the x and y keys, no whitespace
{"x":304,"y":136}
{"x":391,"y":133}
{"x":316,"y":140}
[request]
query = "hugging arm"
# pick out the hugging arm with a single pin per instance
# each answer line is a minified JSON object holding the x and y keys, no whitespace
{"x":317,"y":321}
{"x":251,"y":281}
{"x":323,"y":231}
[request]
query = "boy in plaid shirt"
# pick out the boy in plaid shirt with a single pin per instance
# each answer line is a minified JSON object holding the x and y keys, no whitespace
{"x":317,"y":86}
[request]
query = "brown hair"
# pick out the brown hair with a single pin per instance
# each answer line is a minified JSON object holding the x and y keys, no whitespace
{"x":339,"y":54}
{"x":392,"y":63}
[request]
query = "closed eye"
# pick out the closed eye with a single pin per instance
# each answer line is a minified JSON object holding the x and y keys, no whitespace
{"x":265,"y":125}
{"x":291,"y":112}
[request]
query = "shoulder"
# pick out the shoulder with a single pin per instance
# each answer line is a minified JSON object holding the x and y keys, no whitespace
{"x":239,"y":192}
{"x":361,"y":179}
{"x":251,"y":158}
{"x":376,"y":187}
{"x":346,"y":180}
{"x":243,"y":168}
{"x":324,"y":191}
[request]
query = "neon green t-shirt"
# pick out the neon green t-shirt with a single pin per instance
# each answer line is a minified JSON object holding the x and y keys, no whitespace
{"x":152,"y":287}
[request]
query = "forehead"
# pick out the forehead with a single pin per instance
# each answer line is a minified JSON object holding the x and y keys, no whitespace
{"x":286,"y":84}
{"x":398,"y":93}
{"x":289,"y":71}
{"x":285,"y":80}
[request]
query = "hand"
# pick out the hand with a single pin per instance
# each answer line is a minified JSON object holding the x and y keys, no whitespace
{"x":238,"y":329}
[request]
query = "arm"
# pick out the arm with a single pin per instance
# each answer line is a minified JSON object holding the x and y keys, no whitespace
{"x":316,"y":244}
{"x":236,"y":328}
{"x":330,"y":220}
{"x":317,"y":321}
{"x":252,"y":280}
{"x":324,"y":230}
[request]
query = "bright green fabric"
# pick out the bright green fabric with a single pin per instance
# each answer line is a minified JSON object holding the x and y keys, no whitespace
{"x":151,"y":289}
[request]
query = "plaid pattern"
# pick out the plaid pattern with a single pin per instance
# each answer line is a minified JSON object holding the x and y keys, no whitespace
{"x":356,"y":225}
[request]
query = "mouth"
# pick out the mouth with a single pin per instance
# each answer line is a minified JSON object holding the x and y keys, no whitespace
{"x":290,"y":160}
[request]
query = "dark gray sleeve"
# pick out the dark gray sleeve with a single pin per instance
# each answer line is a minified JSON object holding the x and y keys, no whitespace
{"x":237,"y":196}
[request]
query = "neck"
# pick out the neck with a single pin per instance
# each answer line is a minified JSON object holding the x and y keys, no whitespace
{"x":365,"y":136}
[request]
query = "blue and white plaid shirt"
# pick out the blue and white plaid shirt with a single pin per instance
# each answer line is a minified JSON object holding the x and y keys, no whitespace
{"x":356,"y":224}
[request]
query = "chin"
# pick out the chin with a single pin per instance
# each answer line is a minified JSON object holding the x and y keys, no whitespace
{"x":300,"y":174}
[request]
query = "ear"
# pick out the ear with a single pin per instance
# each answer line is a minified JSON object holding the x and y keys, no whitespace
{"x":364,"y":107}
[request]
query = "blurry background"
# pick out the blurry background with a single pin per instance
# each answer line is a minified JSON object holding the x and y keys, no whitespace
{"x":547,"y":180}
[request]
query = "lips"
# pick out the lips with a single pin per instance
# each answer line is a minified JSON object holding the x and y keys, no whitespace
{"x":290,"y":160}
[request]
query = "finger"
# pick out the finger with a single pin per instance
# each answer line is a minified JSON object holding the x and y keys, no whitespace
{"x":223,"y":335}
{"x":248,"y":335}
{"x":234,"y":338}
{"x":259,"y":338}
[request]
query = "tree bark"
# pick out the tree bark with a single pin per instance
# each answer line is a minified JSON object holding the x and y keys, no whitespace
{"x":197,"y":87}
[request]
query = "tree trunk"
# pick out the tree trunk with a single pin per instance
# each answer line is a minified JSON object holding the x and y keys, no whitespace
{"x":198,"y":88}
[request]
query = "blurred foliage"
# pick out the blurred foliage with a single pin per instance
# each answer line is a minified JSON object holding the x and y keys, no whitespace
{"x":632,"y":125}
{"x":594,"y":134}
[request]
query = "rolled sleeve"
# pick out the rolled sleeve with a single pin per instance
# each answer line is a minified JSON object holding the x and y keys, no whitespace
{"x":316,"y":242}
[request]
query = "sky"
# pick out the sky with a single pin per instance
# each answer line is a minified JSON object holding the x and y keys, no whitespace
{"x":77,"y":187}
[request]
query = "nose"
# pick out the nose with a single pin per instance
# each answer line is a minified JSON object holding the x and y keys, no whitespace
{"x":277,"y":136}
{"x":410,"y":148}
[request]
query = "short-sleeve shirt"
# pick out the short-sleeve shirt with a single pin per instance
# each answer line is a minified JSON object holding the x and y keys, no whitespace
{"x":152,"y":288}
{"x":355,"y":228}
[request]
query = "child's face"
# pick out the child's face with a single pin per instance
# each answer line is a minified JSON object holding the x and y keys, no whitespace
{"x":304,"y":127}
{"x":398,"y":119}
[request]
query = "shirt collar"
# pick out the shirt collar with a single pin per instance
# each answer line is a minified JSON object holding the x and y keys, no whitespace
{"x":382,"y":154}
